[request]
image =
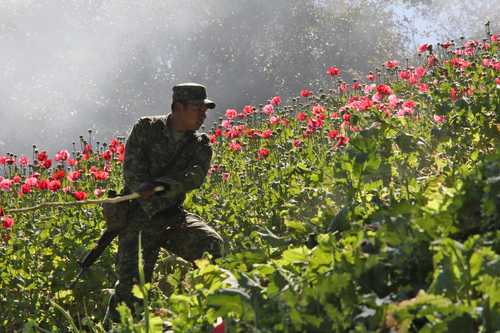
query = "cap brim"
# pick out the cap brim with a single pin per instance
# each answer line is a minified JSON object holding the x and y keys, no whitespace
{"x":209,"y":103}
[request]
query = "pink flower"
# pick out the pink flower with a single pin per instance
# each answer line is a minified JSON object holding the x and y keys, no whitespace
{"x":99,"y":191}
{"x":225,"y":176}
{"x":23,"y":161}
{"x":404,"y":75}
{"x":343,"y":88}
{"x":494,"y":38}
{"x":423,"y":47}
{"x":274,"y":120}
{"x":333,"y":71}
{"x":370,"y":77}
{"x":393,"y":101}
{"x":356,"y":86}
{"x":276,"y":100}
{"x":369,"y":88}
{"x":235,"y":146}
{"x":231,"y":113}
{"x":318,"y":109}
{"x":226,"y":123}
{"x":423,"y":88}
{"x":439,"y":119}
{"x":6,"y":184}
{"x":7,"y":221}
{"x":16,"y":179}
{"x":31,"y":181}
{"x":391,"y":64}
{"x":420,"y":72}
{"x":305,"y":93}
{"x":268,"y":109}
{"x":497,"y":81}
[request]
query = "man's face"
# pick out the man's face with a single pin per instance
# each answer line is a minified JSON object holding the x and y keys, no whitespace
{"x":193,"y":114}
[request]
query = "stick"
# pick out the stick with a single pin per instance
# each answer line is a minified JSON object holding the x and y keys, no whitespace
{"x":114,"y":200}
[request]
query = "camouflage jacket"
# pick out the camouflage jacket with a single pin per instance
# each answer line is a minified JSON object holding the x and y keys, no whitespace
{"x":156,"y":153}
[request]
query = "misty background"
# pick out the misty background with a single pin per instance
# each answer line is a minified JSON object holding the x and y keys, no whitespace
{"x":69,"y":66}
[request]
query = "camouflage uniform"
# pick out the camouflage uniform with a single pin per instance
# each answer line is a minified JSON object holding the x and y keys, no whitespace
{"x":180,"y":160}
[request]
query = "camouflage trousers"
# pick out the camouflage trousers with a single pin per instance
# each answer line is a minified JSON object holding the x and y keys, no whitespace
{"x":181,"y":233}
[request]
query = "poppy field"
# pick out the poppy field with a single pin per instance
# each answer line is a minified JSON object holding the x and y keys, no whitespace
{"x":365,"y":206}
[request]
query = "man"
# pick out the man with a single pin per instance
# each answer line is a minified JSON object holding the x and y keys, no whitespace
{"x":166,"y":151}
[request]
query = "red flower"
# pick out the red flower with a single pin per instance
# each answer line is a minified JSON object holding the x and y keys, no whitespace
{"x":62,"y":155}
{"x":16,"y":179}
{"x":54,"y":185}
{"x":384,"y":89}
{"x":301,"y":116}
{"x":100,"y":175}
{"x":263,"y":152}
{"x":247,"y":109}
{"x":47,"y":164}
{"x":453,"y":93}
{"x":42,"y":184}
{"x":370,"y":77}
{"x":276,"y":100}
{"x":305,"y":93}
{"x":7,"y":221}
{"x":356,"y":86}
{"x":58,"y":174}
{"x":73,"y":176}
{"x":42,"y":156}
{"x":333,"y":71}
{"x":25,"y":188}
{"x":79,"y":195}
{"x":346,"y":117}
{"x":107,"y":155}
{"x":266,"y":134}
{"x":333,"y":134}
{"x":391,"y":64}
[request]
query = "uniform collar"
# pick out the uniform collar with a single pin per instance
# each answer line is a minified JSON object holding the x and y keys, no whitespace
{"x":171,"y":133}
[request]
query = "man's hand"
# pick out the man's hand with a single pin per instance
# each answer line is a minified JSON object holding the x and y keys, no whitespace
{"x":147,"y":189}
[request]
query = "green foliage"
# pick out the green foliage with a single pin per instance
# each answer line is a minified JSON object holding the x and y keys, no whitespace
{"x":396,"y":230}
